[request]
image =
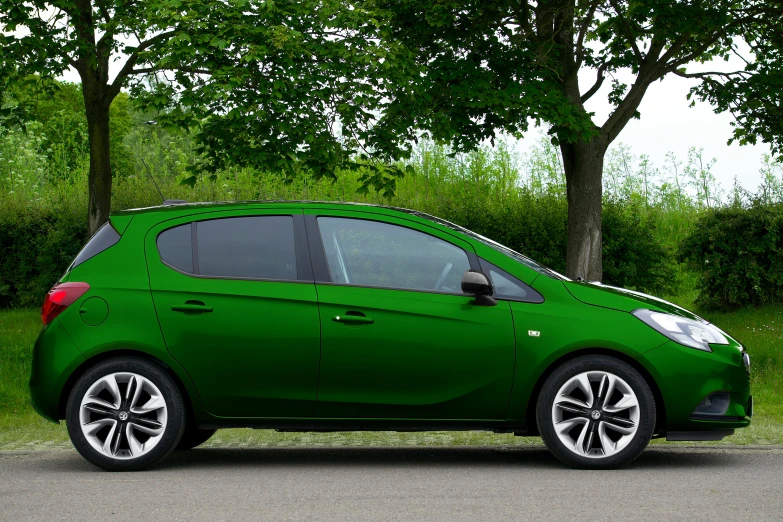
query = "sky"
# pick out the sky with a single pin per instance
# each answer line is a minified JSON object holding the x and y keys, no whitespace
{"x":667,"y":124}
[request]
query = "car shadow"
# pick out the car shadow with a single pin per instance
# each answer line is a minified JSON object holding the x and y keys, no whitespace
{"x":528,"y":457}
{"x":502,"y":457}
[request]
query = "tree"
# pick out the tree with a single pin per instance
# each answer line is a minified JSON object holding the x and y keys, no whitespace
{"x":501,"y":64}
{"x":274,"y":75}
{"x":301,"y":91}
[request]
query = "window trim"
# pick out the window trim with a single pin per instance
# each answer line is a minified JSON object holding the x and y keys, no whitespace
{"x":487,"y":267}
{"x":303,"y":266}
{"x":322,"y":275}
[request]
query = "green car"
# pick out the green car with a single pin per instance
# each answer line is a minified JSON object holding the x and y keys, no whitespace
{"x":178,"y":320}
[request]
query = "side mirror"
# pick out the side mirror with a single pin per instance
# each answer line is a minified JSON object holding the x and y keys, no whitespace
{"x":476,"y":283}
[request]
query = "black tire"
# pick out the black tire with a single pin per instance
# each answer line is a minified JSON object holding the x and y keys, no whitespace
{"x":596,"y":363}
{"x":193,"y":437}
{"x":172,"y":430}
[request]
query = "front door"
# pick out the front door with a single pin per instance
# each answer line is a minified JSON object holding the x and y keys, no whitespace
{"x":399,"y":338}
{"x":238,"y":310}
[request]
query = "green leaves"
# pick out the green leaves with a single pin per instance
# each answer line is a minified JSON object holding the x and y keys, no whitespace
{"x":295,"y":87}
{"x":316,"y":85}
{"x":479,"y":67}
{"x":754,"y":96}
{"x":289,"y":86}
{"x":736,"y":252}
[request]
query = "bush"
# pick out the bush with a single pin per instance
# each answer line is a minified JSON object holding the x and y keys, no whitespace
{"x":634,"y":257}
{"x":36,"y":246}
{"x":737,"y":253}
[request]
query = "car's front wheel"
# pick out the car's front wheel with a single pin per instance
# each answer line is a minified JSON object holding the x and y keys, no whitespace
{"x":125,"y":414}
{"x":596,"y":412}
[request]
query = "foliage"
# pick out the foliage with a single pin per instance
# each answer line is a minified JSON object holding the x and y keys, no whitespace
{"x":493,"y":65}
{"x":634,"y":255}
{"x":37,"y":244}
{"x":297,"y":89}
{"x":738,"y":255}
{"x":753,"y":95}
{"x":58,"y":107}
{"x":23,"y":162}
{"x":287,"y":86}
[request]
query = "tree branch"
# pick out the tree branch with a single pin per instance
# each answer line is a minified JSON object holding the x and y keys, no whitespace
{"x":648,"y":73}
{"x":523,"y":19}
{"x":656,"y":46}
{"x":116,"y":85}
{"x":597,"y":85}
{"x":103,"y":11}
{"x":583,"y":31}
{"x":628,"y":32}
{"x":707,"y":74}
{"x":147,"y":70}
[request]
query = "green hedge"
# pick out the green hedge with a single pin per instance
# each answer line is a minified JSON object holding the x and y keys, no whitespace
{"x":36,"y":246}
{"x":738,"y":253}
{"x":37,"y":243}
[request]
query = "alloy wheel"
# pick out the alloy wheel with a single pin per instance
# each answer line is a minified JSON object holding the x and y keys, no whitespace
{"x":595,"y":414}
{"x":123,"y":415}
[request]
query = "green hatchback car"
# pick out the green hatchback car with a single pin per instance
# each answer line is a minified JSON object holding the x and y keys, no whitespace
{"x":178,"y":320}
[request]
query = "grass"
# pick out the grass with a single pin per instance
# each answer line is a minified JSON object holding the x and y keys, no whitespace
{"x":761,"y":330}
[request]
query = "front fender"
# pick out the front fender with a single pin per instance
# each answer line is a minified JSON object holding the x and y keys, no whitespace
{"x":564,"y":327}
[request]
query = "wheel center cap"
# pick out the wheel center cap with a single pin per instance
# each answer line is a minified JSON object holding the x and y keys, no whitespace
{"x":124,"y":415}
{"x":595,"y":414}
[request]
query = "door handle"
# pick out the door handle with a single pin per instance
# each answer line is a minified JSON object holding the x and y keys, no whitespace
{"x":352,"y":319}
{"x":192,"y":307}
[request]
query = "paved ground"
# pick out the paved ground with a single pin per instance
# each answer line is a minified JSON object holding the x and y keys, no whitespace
{"x":463,"y":483}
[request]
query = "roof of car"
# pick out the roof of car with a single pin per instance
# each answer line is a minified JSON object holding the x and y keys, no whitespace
{"x":178,"y":206}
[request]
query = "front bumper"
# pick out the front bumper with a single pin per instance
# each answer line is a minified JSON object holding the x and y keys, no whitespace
{"x":686,"y":376}
{"x":55,"y":357}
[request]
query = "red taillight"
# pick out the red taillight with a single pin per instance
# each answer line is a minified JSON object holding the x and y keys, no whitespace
{"x":60,"y":297}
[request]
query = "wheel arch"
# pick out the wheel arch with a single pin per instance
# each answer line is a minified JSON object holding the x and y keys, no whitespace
{"x":112,"y":354}
{"x":660,"y":405}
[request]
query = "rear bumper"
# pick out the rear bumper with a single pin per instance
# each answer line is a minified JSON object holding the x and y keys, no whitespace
{"x":55,"y":357}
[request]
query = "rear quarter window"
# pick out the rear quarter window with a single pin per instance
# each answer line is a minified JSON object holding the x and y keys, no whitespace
{"x":104,"y":238}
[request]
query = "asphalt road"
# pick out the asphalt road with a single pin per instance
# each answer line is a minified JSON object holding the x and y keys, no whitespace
{"x":363,"y":484}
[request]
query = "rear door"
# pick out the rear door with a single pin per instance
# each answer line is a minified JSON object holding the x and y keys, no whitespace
{"x":237,"y":306}
{"x":399,"y":338}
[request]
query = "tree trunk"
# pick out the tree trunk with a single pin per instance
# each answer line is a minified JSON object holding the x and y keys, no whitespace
{"x":584,"y":163}
{"x":100,"y":179}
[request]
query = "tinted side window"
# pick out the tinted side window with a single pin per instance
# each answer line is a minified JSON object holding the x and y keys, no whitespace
{"x":176,"y":249}
{"x":370,"y":253}
{"x":257,"y":247}
{"x":104,"y":238}
{"x":506,"y":286}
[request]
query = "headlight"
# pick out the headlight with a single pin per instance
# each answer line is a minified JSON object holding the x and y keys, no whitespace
{"x":687,"y":332}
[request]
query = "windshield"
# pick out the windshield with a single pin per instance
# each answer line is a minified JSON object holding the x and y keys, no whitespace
{"x":492,"y":244}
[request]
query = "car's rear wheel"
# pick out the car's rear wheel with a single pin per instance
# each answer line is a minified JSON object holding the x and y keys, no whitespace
{"x":596,"y":412}
{"x":194,"y":437}
{"x":125,"y":414}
